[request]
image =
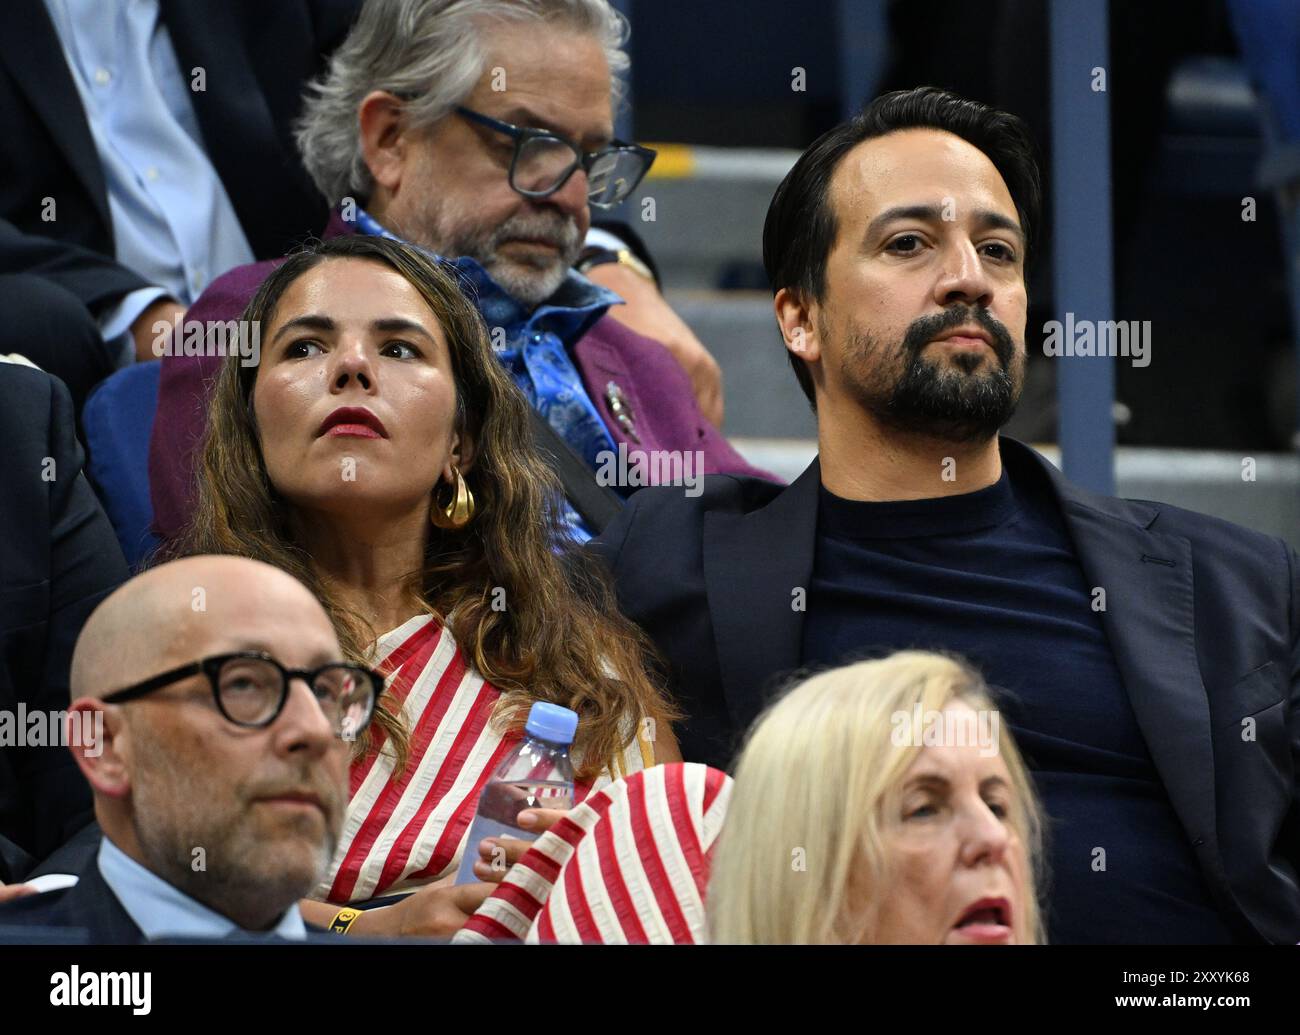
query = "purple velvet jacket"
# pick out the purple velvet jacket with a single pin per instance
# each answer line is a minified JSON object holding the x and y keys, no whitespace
{"x":653,"y":386}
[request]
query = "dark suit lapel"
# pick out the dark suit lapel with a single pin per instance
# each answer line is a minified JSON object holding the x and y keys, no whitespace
{"x":30,"y":47}
{"x":91,"y":904}
{"x":232,"y":111}
{"x":753,"y":565}
{"x":1149,"y":620}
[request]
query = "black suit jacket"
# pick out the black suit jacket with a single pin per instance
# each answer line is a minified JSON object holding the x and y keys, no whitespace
{"x":89,"y":911}
{"x":58,"y":559}
{"x":89,"y":907}
{"x":257,"y":57}
{"x":1203,"y":618}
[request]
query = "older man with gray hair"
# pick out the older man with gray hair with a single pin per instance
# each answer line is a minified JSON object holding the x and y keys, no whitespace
{"x":483,"y":130}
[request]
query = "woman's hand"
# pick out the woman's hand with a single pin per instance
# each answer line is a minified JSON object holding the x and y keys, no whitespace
{"x":440,"y":909}
{"x":498,"y":854}
{"x":432,"y":912}
{"x":438,"y":912}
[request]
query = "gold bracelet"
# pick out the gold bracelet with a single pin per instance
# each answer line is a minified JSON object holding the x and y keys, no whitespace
{"x":343,"y":920}
{"x":622,"y":257}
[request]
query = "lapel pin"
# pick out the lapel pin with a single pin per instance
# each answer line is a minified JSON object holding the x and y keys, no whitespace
{"x":621,"y":410}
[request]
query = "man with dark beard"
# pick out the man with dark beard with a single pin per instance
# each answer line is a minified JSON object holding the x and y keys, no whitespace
{"x":1150,"y":654}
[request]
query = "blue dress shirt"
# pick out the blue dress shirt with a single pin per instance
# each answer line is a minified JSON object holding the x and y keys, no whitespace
{"x":161,"y":910}
{"x":173,"y":222}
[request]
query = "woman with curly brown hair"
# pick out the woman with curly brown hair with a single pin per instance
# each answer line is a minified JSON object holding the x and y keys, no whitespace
{"x":379,"y":453}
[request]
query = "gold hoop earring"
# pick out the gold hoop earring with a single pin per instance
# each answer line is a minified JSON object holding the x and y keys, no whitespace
{"x":456,"y":513}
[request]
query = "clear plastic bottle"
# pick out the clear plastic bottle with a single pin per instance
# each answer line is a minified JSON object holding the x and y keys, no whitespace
{"x":537,"y":774}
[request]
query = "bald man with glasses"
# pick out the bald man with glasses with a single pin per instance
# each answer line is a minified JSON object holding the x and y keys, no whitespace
{"x":216,"y":714}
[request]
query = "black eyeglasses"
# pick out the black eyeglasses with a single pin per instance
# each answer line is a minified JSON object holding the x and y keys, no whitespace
{"x":543,"y":162}
{"x":250,"y":689}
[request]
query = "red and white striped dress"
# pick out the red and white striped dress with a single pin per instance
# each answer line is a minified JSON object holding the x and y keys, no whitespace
{"x":402,"y":833}
{"x":629,"y":866}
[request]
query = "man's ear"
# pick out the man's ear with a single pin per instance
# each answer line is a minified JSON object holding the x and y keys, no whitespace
{"x":384,"y":138}
{"x":798,"y":322}
{"x":96,"y":736}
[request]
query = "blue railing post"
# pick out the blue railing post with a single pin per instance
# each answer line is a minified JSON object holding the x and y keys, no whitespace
{"x":1082,"y":252}
{"x":623,"y":117}
{"x":863,"y":30}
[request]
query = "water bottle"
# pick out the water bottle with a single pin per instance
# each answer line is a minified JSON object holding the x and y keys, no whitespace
{"x":537,"y":774}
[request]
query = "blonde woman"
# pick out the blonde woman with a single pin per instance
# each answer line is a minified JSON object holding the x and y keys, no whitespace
{"x":883,"y":803}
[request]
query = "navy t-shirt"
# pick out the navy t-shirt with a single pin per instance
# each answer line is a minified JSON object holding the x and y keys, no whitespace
{"x":993,"y":575}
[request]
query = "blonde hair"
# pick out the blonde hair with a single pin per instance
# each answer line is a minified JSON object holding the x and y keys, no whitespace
{"x":813,"y":779}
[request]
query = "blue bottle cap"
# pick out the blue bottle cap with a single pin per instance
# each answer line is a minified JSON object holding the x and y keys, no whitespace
{"x":551,"y":722}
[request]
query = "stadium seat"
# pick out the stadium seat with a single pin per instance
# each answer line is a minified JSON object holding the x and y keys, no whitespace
{"x":1211,"y":141}
{"x":118,"y":420}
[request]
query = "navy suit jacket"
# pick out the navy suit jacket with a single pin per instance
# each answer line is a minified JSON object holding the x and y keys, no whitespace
{"x":90,"y":912}
{"x":88,"y":908}
{"x":1203,"y":617}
